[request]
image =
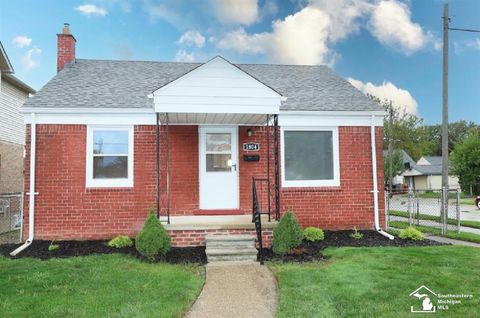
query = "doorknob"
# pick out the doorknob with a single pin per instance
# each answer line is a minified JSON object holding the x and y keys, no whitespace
{"x":234,"y":167}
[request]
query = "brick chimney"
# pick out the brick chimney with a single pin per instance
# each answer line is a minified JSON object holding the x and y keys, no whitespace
{"x":65,"y":47}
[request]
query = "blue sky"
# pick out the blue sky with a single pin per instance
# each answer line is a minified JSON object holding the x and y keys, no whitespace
{"x":390,"y":48}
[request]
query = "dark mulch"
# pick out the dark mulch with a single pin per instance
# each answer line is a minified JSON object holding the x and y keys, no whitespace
{"x":39,"y":249}
{"x":312,"y":251}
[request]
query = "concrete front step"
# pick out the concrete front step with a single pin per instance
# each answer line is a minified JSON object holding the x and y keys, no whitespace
{"x":230,"y":248}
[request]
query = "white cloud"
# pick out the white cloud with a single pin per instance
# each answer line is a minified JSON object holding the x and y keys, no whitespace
{"x":91,"y":10}
{"x":29,"y":60}
{"x":192,"y":37}
{"x":392,"y":25}
{"x":236,"y":12}
{"x":309,"y":35}
{"x":298,"y":39}
{"x":184,"y":56}
{"x":21,"y":41}
{"x":401,"y":98}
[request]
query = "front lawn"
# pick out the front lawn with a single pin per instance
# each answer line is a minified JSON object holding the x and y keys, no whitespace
{"x":376,"y":282}
{"x":112,"y":285}
{"x":463,"y":236}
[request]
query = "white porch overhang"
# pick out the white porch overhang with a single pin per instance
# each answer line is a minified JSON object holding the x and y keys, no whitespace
{"x":217,"y":92}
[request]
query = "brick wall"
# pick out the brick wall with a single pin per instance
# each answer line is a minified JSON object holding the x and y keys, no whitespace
{"x":65,"y":50}
{"x":65,"y":209}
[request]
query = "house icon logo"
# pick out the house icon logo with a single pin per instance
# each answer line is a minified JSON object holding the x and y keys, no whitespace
{"x":425,"y":295}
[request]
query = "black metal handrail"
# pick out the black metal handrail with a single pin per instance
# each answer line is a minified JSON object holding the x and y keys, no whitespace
{"x":257,"y":219}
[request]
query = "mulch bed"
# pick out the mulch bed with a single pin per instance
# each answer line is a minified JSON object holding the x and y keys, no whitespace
{"x":39,"y":249}
{"x":308,"y":251}
{"x":312,"y":251}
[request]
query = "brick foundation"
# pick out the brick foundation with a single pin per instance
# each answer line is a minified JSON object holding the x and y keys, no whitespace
{"x":185,"y":238}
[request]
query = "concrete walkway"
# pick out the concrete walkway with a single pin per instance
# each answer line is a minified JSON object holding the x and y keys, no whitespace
{"x":235,"y":289}
{"x":447,"y":240}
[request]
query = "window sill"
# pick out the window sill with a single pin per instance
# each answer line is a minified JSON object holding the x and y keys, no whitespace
{"x":312,"y":189}
{"x":108,"y":189}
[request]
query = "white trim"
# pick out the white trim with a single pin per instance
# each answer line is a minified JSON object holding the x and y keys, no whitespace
{"x":146,"y":116}
{"x":327,"y":118}
{"x":90,"y":182}
{"x":335,"y":182}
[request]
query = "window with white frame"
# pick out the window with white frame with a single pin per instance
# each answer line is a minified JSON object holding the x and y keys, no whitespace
{"x":109,"y":156}
{"x":310,"y":157}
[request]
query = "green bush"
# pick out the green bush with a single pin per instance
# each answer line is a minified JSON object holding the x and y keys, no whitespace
{"x":287,"y":235}
{"x":153,"y":239}
{"x":120,"y":241}
{"x":356,"y":235}
{"x":313,"y":234}
{"x":53,"y":247}
{"x":411,"y":233}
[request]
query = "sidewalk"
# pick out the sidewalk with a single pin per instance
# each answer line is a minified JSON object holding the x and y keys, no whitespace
{"x":235,"y":289}
{"x":447,"y":240}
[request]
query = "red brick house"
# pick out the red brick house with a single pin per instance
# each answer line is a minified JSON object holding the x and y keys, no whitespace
{"x":107,"y":140}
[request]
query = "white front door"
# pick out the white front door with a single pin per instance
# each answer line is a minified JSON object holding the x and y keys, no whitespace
{"x":218,"y":167}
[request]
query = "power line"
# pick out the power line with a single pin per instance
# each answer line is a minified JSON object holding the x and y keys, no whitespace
{"x":466,"y":30}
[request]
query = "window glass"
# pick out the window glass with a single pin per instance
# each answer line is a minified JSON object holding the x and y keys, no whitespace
{"x":218,"y":142}
{"x":110,"y":167}
{"x":110,"y":142}
{"x":308,"y":155}
{"x":219,"y":162}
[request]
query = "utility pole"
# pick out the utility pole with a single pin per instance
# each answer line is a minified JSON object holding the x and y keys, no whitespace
{"x":446,"y":28}
{"x":444,"y":207}
{"x":390,"y":150}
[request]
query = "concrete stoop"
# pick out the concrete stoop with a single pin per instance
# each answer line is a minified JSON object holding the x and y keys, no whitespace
{"x":224,"y":248}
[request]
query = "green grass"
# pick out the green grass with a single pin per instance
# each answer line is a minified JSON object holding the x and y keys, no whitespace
{"x":463,"y":236}
{"x":421,"y":216}
{"x":437,"y":195}
{"x":376,"y":282}
{"x":469,"y":201}
{"x":96,"y":286}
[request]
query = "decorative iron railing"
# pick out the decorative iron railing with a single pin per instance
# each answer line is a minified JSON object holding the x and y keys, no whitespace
{"x":257,"y":218}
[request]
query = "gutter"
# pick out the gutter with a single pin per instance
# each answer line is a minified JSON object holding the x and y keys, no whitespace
{"x":375,"y":182}
{"x":31,"y":201}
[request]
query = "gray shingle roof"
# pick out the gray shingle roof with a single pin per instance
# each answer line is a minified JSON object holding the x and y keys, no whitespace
{"x":126,"y":84}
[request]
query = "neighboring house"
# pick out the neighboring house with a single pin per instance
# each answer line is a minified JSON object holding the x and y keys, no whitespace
{"x":92,"y":143}
{"x":426,"y":174}
{"x":13,"y":93}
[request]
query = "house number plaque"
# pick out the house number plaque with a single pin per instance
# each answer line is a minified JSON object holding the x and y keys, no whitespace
{"x":251,"y":146}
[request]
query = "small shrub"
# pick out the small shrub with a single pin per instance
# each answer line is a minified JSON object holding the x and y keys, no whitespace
{"x":313,"y":234}
{"x":287,"y":235}
{"x":53,"y":247}
{"x":120,"y":242}
{"x":153,"y":239}
{"x":356,"y":235}
{"x":411,"y":233}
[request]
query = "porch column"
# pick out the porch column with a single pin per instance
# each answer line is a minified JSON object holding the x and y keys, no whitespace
{"x":277,"y":161}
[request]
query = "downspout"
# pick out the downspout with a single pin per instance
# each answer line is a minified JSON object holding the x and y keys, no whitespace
{"x":375,"y":182}
{"x":31,"y":200}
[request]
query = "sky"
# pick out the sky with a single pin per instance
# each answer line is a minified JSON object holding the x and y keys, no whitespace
{"x":389,"y":48}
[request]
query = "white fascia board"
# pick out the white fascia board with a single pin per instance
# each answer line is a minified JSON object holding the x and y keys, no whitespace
{"x":86,"y":110}
{"x":93,"y":116}
{"x":210,"y":108}
{"x":330,"y":118}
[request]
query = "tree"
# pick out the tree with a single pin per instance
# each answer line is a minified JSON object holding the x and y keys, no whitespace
{"x":397,"y":164}
{"x":403,"y":130}
{"x":466,"y":162}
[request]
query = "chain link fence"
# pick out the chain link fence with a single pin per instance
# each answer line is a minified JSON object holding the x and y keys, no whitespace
{"x":11,"y":216}
{"x":423,"y":209}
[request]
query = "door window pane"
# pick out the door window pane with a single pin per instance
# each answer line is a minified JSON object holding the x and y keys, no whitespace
{"x":219,"y":162}
{"x":110,"y":167}
{"x":110,"y":142}
{"x":308,"y":155}
{"x":218,"y":142}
